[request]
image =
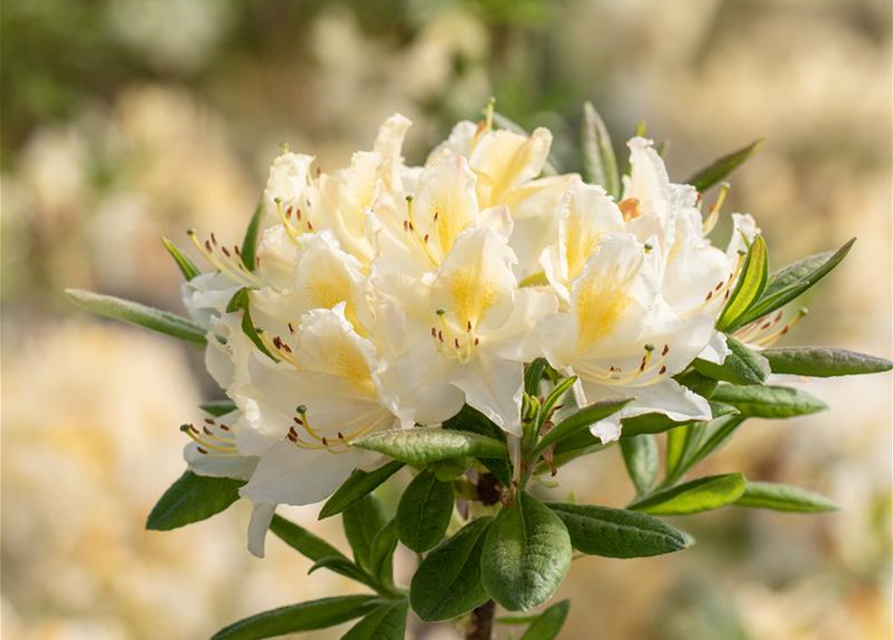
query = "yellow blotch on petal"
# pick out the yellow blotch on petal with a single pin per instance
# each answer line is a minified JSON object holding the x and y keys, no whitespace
{"x":600,"y":306}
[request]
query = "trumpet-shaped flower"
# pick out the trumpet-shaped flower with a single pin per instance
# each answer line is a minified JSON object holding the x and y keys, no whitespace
{"x":460,"y":334}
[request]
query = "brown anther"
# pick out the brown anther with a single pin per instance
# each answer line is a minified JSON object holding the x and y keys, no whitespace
{"x":318,"y":171}
{"x":642,"y":366}
{"x":291,"y":329}
{"x":207,"y":431}
{"x":298,"y":214}
{"x":340,"y":436}
{"x":456,"y":342}
{"x":629,"y":208}
{"x":288,"y":211}
{"x":406,"y":225}
{"x":728,"y":293}
{"x":436,"y":213}
{"x":468,"y":325}
{"x":225,"y":251}
{"x":213,"y":238}
{"x":237,"y":250}
{"x":718,"y":286}
{"x":433,"y":332}
{"x":223,"y":426}
{"x":477,"y":341}
{"x":209,"y":420}
{"x":665,"y":350}
{"x":425,"y":239}
{"x":784,"y":331}
{"x":277,"y":342}
{"x":208,"y":245}
{"x":291,"y":436}
{"x":440,"y":335}
{"x":286,"y":348}
{"x":765,"y":326}
{"x":202,"y":451}
{"x":709,"y":295}
{"x":325,"y":442}
{"x":411,"y":226}
{"x":663,"y":370}
{"x":309,"y":226}
{"x":298,"y":421}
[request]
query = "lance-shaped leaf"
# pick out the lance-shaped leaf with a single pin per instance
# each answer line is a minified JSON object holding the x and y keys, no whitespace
{"x":599,"y":161}
{"x":252,"y":233}
{"x":547,"y":625}
{"x":343,"y":566}
{"x":580,"y":420}
{"x":533,"y":376}
{"x":741,"y":366}
{"x":641,"y":458}
{"x":186,"y":266}
{"x":681,"y":443}
{"x":424,"y":512}
{"x":447,"y":583}
{"x":722,"y":167}
{"x":783,"y":497}
{"x":387,"y":622}
{"x":618,"y":533}
{"x":823,"y":362}
{"x":241,"y":300}
{"x":791,"y":282}
{"x":359,"y":484}
{"x":473,"y":421}
{"x":218,"y":408}
{"x":703,"y":494}
{"x":658,"y":423}
{"x":192,"y":498}
{"x":526,"y":554}
{"x":302,"y":541}
{"x":362,"y":521}
{"x":717,"y":433}
{"x":423,"y":445}
{"x":768,"y":401}
{"x":381,"y":555}
{"x":307,"y":616}
{"x":751,"y":283}
{"x":139,"y":314}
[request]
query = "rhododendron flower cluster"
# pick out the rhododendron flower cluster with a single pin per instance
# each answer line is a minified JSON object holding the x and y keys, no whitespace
{"x":482,"y":319}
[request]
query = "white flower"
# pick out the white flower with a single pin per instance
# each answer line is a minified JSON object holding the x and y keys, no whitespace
{"x":508,"y":167}
{"x":622,"y":340}
{"x":460,"y":334}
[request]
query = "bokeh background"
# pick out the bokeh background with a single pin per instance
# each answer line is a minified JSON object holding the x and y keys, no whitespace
{"x":125,"y":121}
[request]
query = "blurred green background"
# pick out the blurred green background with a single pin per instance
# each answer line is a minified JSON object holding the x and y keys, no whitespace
{"x":125,"y":121}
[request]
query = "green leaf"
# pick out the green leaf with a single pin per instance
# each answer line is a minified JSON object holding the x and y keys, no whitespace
{"x":447,"y":583}
{"x":249,"y":243}
{"x":783,"y":497}
{"x":307,"y":616}
{"x":580,"y":420}
{"x":382,"y":554}
{"x":555,"y":395}
{"x":659,"y":423}
{"x":618,"y":533}
{"x":719,"y":169}
{"x":343,"y":566}
{"x":547,"y":625}
{"x":358,"y":484}
{"x":533,"y":376}
{"x":599,"y":162}
{"x":703,"y":494}
{"x":302,"y":541}
{"x":741,"y":366}
{"x":526,"y":554}
{"x":768,"y":401}
{"x":641,"y":458}
{"x":750,"y":285}
{"x":792,"y":281}
{"x":218,"y":408}
{"x":449,"y":470}
{"x":186,"y":266}
{"x":241,"y":300}
{"x":718,"y":432}
{"x":680,"y":443}
{"x":423,"y":445}
{"x":362,"y":521}
{"x":387,"y":622}
{"x":823,"y":362}
{"x":473,"y":421}
{"x":424,"y":512}
{"x":139,"y":314}
{"x":192,"y":498}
